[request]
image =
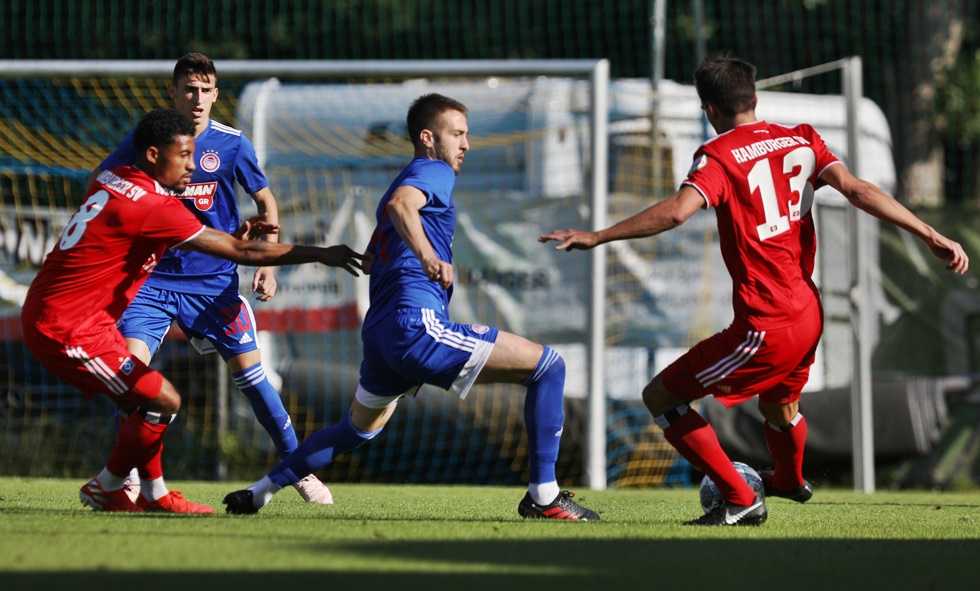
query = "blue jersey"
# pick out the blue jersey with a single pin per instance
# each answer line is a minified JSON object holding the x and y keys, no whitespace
{"x":223,"y":155}
{"x":397,"y":278}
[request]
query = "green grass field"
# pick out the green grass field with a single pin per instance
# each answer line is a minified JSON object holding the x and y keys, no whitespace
{"x":415,"y":537}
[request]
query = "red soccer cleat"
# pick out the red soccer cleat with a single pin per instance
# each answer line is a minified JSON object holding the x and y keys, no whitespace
{"x":173,"y":502}
{"x":116,"y":501}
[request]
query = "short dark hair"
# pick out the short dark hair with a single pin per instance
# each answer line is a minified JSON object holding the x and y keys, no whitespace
{"x":426,"y":111}
{"x":726,"y":82}
{"x":194,"y":64}
{"x":160,"y":128}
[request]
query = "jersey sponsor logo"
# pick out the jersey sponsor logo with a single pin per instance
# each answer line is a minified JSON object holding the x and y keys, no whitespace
{"x":127,"y":366}
{"x":202,"y":194}
{"x":210,"y":161}
{"x":698,"y":164}
{"x":479,"y":328}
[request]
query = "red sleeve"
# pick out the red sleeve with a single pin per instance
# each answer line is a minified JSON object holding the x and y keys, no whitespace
{"x":708,"y":176}
{"x":824,"y":157}
{"x":171,"y":222}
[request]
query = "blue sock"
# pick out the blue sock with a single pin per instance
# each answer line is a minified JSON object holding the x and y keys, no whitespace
{"x":268,"y":408}
{"x":318,"y":450}
{"x":544,"y":415}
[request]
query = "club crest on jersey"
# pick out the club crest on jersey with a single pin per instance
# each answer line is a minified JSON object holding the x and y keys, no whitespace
{"x":210,"y":161}
{"x":479,"y":328}
{"x":698,"y":164}
{"x":127,"y":366}
{"x":202,"y":194}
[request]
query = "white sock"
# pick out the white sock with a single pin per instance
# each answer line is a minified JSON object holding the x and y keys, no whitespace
{"x":152,"y":490}
{"x":544,"y":493}
{"x":262,"y":492}
{"x":110,"y":481}
{"x":134,"y":476}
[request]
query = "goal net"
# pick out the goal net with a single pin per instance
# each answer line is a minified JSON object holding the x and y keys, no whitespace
{"x":331,"y":137}
{"x":330,"y":141}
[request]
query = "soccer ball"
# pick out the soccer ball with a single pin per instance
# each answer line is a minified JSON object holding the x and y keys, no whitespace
{"x":711,"y":496}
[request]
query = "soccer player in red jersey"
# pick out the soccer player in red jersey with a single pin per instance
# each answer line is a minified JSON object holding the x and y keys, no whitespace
{"x":760,"y":180}
{"x":127,"y":220}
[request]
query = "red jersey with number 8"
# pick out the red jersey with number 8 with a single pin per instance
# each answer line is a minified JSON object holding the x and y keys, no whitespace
{"x":760,"y":180}
{"x":106,"y":252}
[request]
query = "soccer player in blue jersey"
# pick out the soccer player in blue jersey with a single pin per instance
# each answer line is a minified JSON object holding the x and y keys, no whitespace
{"x":409,"y":340}
{"x":200,"y":291}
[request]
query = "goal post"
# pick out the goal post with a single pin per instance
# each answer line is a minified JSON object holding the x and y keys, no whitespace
{"x":860,"y":296}
{"x":571,"y":125}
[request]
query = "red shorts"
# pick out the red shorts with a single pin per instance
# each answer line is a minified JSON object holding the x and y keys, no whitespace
{"x":97,"y":363}
{"x":741,"y":362}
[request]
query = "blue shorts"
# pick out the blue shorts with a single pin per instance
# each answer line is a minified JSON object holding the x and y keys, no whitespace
{"x":222,"y":323}
{"x":411,"y":347}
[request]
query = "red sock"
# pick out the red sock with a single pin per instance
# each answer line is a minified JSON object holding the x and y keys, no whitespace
{"x":138,"y":442}
{"x":694,"y":438}
{"x":153,"y":468}
{"x":786,"y":449}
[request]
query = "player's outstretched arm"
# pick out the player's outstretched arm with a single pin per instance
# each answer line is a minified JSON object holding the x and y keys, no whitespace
{"x":669,"y":213}
{"x":260,"y":252}
{"x":871,"y":199}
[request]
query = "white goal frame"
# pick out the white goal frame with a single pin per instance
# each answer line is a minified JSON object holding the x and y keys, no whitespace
{"x":597,"y":73}
{"x":862,"y":313}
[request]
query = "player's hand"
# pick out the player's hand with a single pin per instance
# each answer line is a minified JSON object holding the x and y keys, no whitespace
{"x":951,"y":252}
{"x":343,"y":257}
{"x":367,"y":262}
{"x":571,"y":239}
{"x":254,"y":228}
{"x":439,"y":271}
{"x":264,"y":283}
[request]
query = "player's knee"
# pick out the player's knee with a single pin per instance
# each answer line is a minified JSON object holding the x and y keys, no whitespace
{"x":657,"y":399}
{"x":780,"y":414}
{"x":166,"y":402}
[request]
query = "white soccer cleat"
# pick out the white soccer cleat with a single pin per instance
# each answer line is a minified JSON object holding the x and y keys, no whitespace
{"x":314,"y":491}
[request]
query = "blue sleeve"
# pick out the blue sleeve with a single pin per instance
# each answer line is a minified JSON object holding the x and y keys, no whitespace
{"x":247,"y":171}
{"x":436,"y":179}
{"x":124,"y":155}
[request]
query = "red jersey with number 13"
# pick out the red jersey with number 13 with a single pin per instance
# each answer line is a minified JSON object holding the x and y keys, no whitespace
{"x":760,"y":180}
{"x":106,"y":252}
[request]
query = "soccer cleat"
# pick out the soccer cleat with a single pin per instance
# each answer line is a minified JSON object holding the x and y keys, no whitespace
{"x":800,"y":494}
{"x":563,"y":507}
{"x":115,"y":501}
{"x":239,"y":503}
{"x":314,"y":491}
{"x":173,"y":502}
{"x":726,"y":513}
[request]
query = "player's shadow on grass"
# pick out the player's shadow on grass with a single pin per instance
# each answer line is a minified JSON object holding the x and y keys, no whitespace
{"x":733,"y":562}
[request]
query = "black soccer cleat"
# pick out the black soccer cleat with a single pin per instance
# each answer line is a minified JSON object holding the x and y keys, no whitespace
{"x":726,"y":513}
{"x":239,"y":503}
{"x":800,"y":494}
{"x":563,"y":508}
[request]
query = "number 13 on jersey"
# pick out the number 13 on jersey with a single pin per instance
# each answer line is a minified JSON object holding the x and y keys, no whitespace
{"x":799,"y":164}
